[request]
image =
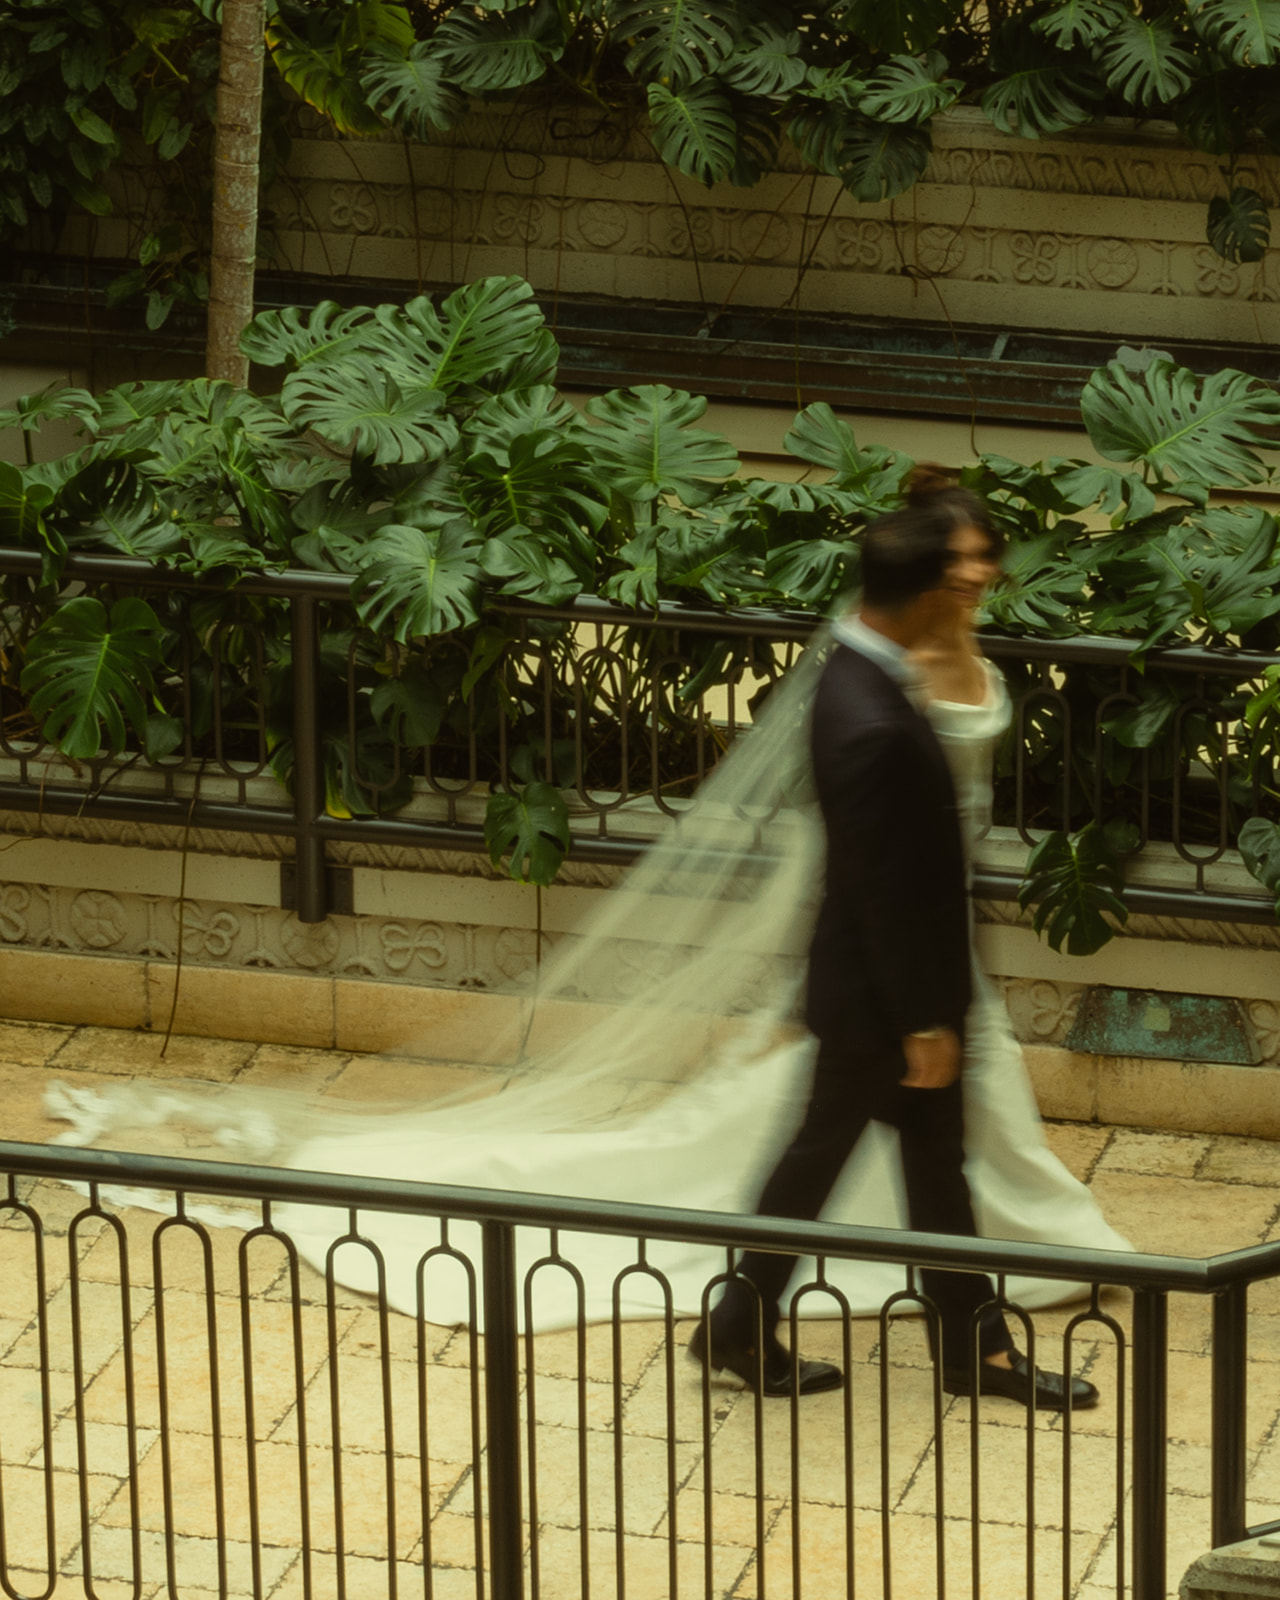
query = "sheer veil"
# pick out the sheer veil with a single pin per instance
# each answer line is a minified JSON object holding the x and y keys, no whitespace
{"x":689,"y":969}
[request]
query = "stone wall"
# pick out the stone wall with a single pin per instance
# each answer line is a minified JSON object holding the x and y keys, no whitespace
{"x":1101,"y":232}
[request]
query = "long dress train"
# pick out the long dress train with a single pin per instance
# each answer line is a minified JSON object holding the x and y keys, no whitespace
{"x":705,"y":1145}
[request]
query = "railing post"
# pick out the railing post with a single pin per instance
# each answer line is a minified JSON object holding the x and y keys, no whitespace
{"x":1230,"y":1391}
{"x":1150,"y":1442}
{"x":502,"y":1412}
{"x":308,"y":758}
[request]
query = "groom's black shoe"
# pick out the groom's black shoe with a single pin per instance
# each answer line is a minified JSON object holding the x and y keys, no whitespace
{"x":1047,"y":1391}
{"x":778,"y":1373}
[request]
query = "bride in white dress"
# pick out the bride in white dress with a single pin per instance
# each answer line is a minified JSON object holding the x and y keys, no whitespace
{"x":683,"y":1092}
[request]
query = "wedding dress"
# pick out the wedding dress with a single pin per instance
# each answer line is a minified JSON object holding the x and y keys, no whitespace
{"x":631,"y":1110}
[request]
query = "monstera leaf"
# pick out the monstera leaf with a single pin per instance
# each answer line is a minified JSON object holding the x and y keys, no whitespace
{"x":114,"y":506}
{"x":482,"y":329}
{"x":87,"y":672}
{"x":1079,"y":22}
{"x":1185,"y":428}
{"x":881,"y":159}
{"x":1239,"y":227}
{"x":1042,"y":588}
{"x":1247,"y":32}
{"x":1144,"y":61}
{"x":811,"y":571}
{"x":354,"y":406}
{"x":874,"y":474}
{"x":528,"y":831}
{"x":637,"y":584}
{"x":767,"y":61}
{"x":538,"y":482}
{"x":416,"y":582}
{"x":485,"y":52}
{"x":645,"y":444}
{"x":910,"y":88}
{"x":327,"y":332}
{"x":410,"y":90}
{"x":1259,"y":844}
{"x":677,"y":42}
{"x":695,"y":131}
{"x":1037,"y":91}
{"x":23,"y":502}
{"x":1075,"y":882}
{"x":525,"y":568}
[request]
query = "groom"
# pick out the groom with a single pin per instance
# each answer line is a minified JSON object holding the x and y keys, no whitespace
{"x":889,"y":979}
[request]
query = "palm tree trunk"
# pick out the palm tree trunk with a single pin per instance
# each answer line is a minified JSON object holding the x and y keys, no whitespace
{"x":237,"y":138}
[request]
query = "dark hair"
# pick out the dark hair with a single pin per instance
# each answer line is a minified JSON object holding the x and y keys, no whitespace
{"x":904,"y":554}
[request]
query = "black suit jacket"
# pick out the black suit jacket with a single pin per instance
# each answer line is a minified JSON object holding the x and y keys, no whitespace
{"x":890,"y":952}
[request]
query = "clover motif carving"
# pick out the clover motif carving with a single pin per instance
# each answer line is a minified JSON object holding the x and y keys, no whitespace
{"x":98,"y":919}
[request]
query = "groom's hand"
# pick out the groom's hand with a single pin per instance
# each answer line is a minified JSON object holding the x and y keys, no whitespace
{"x":933,"y":1062}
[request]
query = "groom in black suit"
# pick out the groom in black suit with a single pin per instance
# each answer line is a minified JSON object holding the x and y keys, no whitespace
{"x":889,"y":974}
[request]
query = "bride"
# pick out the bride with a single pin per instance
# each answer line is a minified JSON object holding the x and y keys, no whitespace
{"x":680,"y":1092}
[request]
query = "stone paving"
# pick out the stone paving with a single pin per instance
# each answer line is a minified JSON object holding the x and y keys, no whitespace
{"x":1180,"y":1193}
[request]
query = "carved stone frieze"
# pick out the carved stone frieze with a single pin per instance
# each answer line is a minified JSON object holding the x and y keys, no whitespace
{"x":1111,"y":221}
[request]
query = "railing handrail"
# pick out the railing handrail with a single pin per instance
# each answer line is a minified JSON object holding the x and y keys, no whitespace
{"x":1001,"y":1256}
{"x":784,"y":626}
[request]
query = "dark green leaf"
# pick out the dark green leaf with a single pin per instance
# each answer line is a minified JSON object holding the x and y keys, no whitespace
{"x":356,"y":407}
{"x":86,"y":673}
{"x":411,"y":91}
{"x":767,"y":61}
{"x":677,"y":42}
{"x":1245,"y":31}
{"x":1075,"y":883}
{"x":1079,"y":22}
{"x":162,"y":736}
{"x":410,"y":707}
{"x":1185,"y":427}
{"x":526,"y":569}
{"x":22,"y":506}
{"x":528,"y":831}
{"x":1139,"y":726}
{"x":638,"y":584}
{"x":1239,"y":226}
{"x":910,"y":88}
{"x":882,"y":159}
{"x":1143,"y":60}
{"x":647,"y":448}
{"x":1259,"y":843}
{"x":417,"y":582}
{"x":694,"y":131}
{"x":485,"y":52}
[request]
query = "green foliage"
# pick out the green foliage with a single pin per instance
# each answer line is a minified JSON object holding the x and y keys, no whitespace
{"x":1075,"y":882}
{"x":483,"y":481}
{"x":695,"y":131}
{"x":529,"y":831}
{"x":645,"y":442}
{"x":1259,"y":845}
{"x":1182,"y":428}
{"x":1239,"y":226}
{"x":856,"y":82}
{"x":87,"y":672}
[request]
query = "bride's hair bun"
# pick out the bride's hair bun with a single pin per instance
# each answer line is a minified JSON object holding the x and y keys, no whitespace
{"x":927,"y":479}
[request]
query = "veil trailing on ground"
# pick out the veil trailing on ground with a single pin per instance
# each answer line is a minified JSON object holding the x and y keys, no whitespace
{"x":688,"y":968}
{"x":658,"y":1058}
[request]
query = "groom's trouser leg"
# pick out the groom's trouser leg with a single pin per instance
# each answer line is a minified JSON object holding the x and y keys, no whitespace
{"x":798,"y":1186}
{"x":931,"y":1133}
{"x":848,"y":1092}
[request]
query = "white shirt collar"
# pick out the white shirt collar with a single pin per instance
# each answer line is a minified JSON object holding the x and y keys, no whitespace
{"x":853,"y":631}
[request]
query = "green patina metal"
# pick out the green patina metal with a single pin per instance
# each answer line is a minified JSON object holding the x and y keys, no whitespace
{"x":1171,"y":1027}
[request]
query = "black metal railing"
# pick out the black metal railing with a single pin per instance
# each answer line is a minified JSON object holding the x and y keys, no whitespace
{"x":186,"y":1410}
{"x":594,"y":700}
